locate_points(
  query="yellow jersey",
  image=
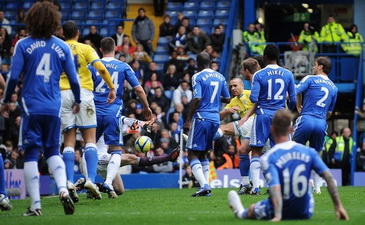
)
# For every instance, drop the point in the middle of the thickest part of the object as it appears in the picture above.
(243, 102)
(83, 55)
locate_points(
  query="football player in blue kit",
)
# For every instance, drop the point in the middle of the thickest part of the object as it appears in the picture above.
(41, 58)
(203, 119)
(318, 95)
(270, 87)
(287, 168)
(108, 114)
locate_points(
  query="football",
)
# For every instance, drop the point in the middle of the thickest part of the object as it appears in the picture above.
(143, 144)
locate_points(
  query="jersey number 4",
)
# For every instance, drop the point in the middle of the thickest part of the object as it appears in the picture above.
(44, 67)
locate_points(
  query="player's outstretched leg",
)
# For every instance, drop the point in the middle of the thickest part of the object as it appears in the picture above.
(235, 204)
(4, 200)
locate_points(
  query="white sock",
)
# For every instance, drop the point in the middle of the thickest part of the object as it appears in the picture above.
(113, 168)
(127, 121)
(57, 168)
(84, 166)
(245, 180)
(317, 180)
(198, 173)
(206, 172)
(32, 184)
(255, 168)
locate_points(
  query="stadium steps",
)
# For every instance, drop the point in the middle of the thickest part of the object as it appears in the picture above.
(132, 13)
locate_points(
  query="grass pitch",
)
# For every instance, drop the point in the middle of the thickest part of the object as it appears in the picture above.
(174, 207)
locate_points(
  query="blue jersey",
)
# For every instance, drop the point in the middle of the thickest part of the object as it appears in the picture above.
(209, 86)
(270, 87)
(289, 165)
(42, 61)
(319, 94)
(120, 72)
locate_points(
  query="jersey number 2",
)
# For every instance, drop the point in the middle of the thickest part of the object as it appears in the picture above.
(44, 67)
(320, 101)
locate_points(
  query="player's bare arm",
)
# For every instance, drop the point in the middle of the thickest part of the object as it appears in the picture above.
(194, 105)
(247, 115)
(340, 211)
(299, 103)
(147, 112)
(277, 201)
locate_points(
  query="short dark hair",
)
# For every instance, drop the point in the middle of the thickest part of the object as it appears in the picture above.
(203, 59)
(141, 9)
(282, 122)
(271, 52)
(325, 62)
(260, 60)
(70, 29)
(107, 45)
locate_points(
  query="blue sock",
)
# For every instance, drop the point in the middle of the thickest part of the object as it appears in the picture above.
(91, 157)
(218, 134)
(244, 165)
(69, 159)
(2, 177)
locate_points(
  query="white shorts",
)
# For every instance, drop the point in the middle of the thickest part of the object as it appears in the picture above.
(244, 131)
(86, 118)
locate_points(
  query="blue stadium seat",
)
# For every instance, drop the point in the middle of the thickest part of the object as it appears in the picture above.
(98, 5)
(96, 15)
(207, 5)
(78, 15)
(169, 94)
(206, 29)
(172, 13)
(27, 5)
(174, 6)
(191, 5)
(90, 22)
(204, 22)
(85, 31)
(159, 66)
(163, 41)
(224, 5)
(81, 6)
(66, 6)
(13, 6)
(65, 15)
(190, 14)
(220, 21)
(161, 58)
(206, 14)
(114, 5)
(162, 49)
(104, 32)
(10, 14)
(221, 13)
(112, 14)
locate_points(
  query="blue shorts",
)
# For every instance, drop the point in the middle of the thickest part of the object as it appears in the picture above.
(260, 131)
(201, 135)
(109, 126)
(312, 129)
(39, 132)
(264, 210)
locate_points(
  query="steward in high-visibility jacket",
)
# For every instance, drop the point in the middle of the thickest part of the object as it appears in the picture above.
(333, 32)
(342, 149)
(250, 36)
(307, 35)
(354, 48)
